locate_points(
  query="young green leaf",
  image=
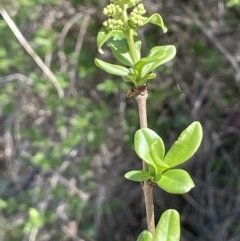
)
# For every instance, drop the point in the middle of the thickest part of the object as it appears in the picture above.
(140, 66)
(138, 175)
(186, 145)
(168, 227)
(120, 50)
(119, 45)
(130, 78)
(145, 79)
(158, 149)
(169, 53)
(164, 53)
(104, 35)
(151, 76)
(111, 68)
(138, 45)
(143, 140)
(175, 181)
(157, 153)
(156, 57)
(157, 20)
(145, 236)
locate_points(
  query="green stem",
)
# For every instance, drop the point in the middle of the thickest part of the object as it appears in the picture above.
(131, 45)
(129, 35)
(147, 189)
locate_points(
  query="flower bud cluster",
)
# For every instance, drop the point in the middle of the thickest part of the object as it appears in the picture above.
(140, 9)
(112, 10)
(136, 19)
(115, 14)
(113, 24)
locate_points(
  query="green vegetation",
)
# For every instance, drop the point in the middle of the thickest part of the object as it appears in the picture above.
(67, 128)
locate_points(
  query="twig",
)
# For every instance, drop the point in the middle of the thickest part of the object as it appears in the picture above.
(31, 52)
(20, 77)
(33, 234)
(232, 60)
(147, 189)
(65, 31)
(84, 196)
(61, 40)
(78, 49)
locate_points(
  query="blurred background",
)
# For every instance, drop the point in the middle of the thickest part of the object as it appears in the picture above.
(62, 158)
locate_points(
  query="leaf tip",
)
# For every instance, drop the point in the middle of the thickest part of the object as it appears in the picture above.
(164, 29)
(96, 62)
(198, 125)
(100, 51)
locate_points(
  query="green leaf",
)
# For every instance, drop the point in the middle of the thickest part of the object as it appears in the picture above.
(120, 50)
(143, 140)
(168, 227)
(143, 62)
(119, 45)
(145, 79)
(138, 175)
(186, 145)
(233, 3)
(157, 150)
(39, 159)
(36, 218)
(111, 68)
(156, 57)
(151, 76)
(175, 181)
(130, 78)
(138, 45)
(3, 204)
(145, 236)
(104, 35)
(164, 53)
(157, 20)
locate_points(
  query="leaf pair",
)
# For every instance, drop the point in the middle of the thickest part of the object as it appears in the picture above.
(150, 148)
(140, 72)
(168, 228)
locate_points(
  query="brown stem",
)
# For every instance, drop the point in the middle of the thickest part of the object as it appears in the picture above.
(147, 189)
